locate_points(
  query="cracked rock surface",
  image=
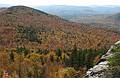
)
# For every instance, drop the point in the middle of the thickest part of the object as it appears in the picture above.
(98, 71)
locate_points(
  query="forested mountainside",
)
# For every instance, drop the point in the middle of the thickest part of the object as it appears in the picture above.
(48, 30)
(34, 44)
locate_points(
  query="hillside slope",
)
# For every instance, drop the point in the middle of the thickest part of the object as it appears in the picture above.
(106, 21)
(50, 31)
(34, 44)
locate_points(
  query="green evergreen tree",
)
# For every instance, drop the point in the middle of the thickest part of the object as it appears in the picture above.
(58, 52)
(11, 55)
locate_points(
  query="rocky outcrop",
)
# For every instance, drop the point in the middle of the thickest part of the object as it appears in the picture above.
(98, 71)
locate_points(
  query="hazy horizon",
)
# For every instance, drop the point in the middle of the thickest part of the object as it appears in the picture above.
(34, 3)
(9, 5)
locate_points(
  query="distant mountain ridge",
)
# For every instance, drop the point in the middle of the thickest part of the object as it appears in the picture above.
(115, 17)
(107, 17)
(68, 12)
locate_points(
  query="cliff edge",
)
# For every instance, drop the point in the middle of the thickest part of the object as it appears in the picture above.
(98, 71)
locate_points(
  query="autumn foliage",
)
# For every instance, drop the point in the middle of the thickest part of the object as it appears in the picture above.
(34, 44)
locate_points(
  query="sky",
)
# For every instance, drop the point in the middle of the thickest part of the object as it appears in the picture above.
(60, 2)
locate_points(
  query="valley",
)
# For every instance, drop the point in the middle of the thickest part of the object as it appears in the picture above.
(96, 16)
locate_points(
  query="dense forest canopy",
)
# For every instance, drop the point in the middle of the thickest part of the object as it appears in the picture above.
(34, 44)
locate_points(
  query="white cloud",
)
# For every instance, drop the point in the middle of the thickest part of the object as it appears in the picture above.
(60, 2)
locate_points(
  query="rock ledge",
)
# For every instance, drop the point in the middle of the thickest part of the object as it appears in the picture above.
(98, 70)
